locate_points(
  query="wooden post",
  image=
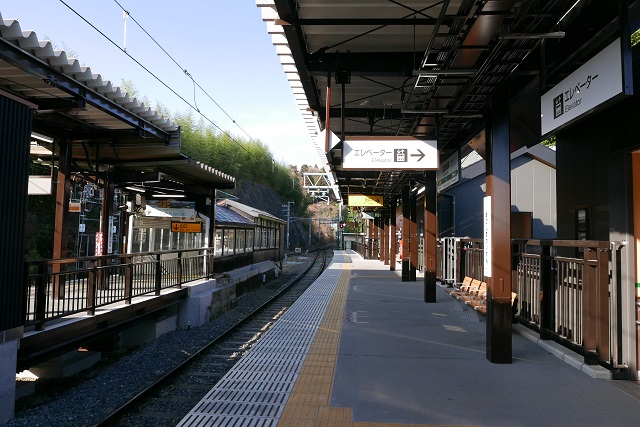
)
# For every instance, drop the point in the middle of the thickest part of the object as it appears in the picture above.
(499, 315)
(406, 233)
(430, 237)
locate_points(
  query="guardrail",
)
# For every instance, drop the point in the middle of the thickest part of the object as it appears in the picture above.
(563, 286)
(62, 287)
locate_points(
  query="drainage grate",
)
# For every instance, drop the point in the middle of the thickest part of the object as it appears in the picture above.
(255, 391)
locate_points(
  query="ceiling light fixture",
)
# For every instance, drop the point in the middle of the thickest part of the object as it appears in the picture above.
(520, 36)
(434, 111)
(436, 73)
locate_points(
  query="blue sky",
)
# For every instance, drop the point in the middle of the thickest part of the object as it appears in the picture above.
(223, 44)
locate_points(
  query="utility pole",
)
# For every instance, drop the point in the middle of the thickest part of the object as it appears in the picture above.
(286, 210)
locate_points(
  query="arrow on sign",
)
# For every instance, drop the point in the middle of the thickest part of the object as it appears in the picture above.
(421, 155)
(176, 227)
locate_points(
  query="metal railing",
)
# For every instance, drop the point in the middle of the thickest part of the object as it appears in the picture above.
(63, 287)
(564, 289)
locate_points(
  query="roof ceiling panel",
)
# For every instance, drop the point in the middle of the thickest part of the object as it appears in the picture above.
(382, 42)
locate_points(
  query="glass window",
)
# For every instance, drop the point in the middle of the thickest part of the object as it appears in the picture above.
(240, 241)
(166, 240)
(218, 243)
(249, 244)
(229, 242)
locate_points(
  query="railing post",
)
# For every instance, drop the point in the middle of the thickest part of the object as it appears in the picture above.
(547, 291)
(158, 274)
(41, 296)
(459, 262)
(128, 279)
(92, 284)
(179, 267)
(595, 305)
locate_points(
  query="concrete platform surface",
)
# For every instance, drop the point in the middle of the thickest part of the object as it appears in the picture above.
(402, 360)
(361, 348)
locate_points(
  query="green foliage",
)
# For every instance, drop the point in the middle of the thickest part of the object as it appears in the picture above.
(246, 160)
(635, 37)
(549, 142)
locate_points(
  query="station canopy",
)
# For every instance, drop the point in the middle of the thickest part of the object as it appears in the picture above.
(107, 129)
(422, 69)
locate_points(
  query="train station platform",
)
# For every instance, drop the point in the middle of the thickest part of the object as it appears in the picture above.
(361, 348)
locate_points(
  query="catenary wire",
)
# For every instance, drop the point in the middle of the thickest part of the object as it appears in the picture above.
(184, 70)
(155, 76)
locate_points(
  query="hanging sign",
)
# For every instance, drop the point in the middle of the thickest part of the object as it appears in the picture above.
(186, 227)
(363, 200)
(448, 174)
(376, 153)
(595, 82)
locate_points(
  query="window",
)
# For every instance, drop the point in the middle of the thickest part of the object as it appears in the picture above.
(249, 244)
(218, 243)
(240, 241)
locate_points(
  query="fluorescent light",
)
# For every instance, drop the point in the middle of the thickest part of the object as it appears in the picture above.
(424, 111)
(435, 73)
(166, 196)
(567, 12)
(42, 138)
(138, 189)
(519, 36)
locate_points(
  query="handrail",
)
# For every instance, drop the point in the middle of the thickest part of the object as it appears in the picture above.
(563, 289)
(83, 284)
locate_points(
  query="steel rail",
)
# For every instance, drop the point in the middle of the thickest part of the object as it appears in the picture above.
(126, 407)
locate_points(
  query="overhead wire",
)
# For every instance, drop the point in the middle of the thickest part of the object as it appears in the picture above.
(155, 76)
(184, 70)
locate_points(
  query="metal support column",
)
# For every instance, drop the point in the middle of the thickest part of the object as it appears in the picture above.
(212, 234)
(430, 237)
(63, 194)
(413, 235)
(499, 315)
(384, 246)
(392, 238)
(406, 233)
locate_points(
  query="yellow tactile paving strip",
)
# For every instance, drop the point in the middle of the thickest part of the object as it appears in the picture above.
(309, 402)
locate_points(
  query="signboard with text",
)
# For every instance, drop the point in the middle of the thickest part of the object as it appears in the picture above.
(595, 82)
(362, 200)
(448, 174)
(186, 227)
(395, 153)
(487, 236)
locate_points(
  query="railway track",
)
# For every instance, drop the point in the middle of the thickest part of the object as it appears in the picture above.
(171, 397)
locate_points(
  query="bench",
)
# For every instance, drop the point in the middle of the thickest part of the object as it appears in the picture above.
(468, 289)
(472, 293)
(479, 305)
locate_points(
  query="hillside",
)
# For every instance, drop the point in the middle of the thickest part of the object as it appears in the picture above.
(266, 199)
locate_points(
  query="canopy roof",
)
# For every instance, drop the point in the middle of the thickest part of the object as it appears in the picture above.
(108, 130)
(427, 69)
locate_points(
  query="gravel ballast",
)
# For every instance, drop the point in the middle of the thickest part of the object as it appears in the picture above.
(88, 397)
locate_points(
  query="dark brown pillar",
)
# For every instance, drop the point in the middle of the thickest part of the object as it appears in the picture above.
(430, 236)
(384, 246)
(60, 235)
(375, 244)
(406, 233)
(392, 238)
(413, 236)
(369, 238)
(498, 280)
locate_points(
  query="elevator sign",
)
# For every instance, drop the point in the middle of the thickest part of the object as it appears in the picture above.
(594, 83)
(375, 153)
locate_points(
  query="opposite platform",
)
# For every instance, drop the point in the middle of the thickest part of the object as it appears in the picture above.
(361, 348)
